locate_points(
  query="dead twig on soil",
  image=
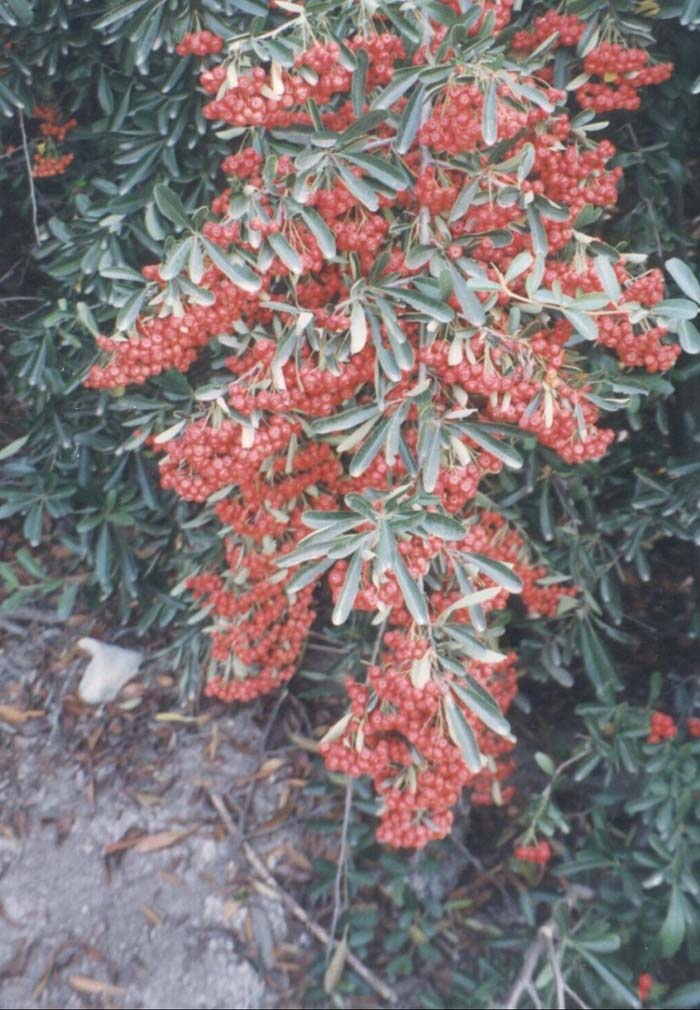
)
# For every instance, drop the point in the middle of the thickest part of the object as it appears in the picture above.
(379, 986)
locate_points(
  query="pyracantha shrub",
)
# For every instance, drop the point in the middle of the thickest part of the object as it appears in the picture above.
(405, 271)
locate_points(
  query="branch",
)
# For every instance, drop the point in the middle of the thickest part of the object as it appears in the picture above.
(524, 980)
(379, 986)
(30, 178)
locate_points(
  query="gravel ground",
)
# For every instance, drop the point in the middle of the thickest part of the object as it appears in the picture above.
(119, 884)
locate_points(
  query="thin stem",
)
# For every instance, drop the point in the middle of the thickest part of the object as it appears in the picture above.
(30, 178)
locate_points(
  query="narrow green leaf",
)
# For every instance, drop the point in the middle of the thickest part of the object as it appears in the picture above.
(237, 272)
(437, 524)
(369, 449)
(489, 119)
(412, 594)
(289, 256)
(463, 735)
(673, 928)
(497, 571)
(501, 450)
(347, 594)
(410, 121)
(479, 701)
(471, 645)
(582, 324)
(170, 206)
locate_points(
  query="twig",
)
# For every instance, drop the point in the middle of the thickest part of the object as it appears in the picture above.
(13, 629)
(341, 872)
(532, 993)
(575, 995)
(261, 751)
(30, 178)
(548, 931)
(524, 980)
(379, 986)
(35, 614)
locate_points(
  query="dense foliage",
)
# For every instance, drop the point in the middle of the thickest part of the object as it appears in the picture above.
(396, 322)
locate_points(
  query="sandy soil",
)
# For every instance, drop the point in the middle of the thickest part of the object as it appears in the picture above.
(119, 884)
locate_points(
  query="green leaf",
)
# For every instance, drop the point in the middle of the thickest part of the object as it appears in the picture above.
(463, 735)
(673, 928)
(501, 450)
(464, 200)
(608, 278)
(677, 308)
(320, 231)
(369, 449)
(380, 169)
(684, 278)
(12, 447)
(596, 661)
(537, 232)
(358, 85)
(359, 188)
(347, 419)
(471, 645)
(689, 337)
(437, 524)
(176, 260)
(129, 311)
(120, 12)
(686, 997)
(489, 118)
(618, 988)
(518, 265)
(431, 307)
(348, 592)
(497, 571)
(412, 594)
(471, 307)
(239, 273)
(170, 206)
(289, 256)
(479, 701)
(308, 574)
(410, 121)
(582, 324)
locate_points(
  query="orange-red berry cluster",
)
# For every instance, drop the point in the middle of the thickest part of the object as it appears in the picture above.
(268, 449)
(661, 727)
(45, 165)
(540, 853)
(203, 43)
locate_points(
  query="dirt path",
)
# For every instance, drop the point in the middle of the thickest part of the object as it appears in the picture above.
(119, 886)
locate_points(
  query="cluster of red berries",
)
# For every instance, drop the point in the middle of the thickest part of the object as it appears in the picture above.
(661, 727)
(45, 164)
(693, 727)
(540, 853)
(623, 71)
(568, 29)
(645, 984)
(268, 448)
(199, 44)
(394, 732)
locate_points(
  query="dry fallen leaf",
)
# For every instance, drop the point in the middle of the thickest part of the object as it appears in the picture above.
(336, 965)
(15, 715)
(95, 987)
(152, 916)
(161, 840)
